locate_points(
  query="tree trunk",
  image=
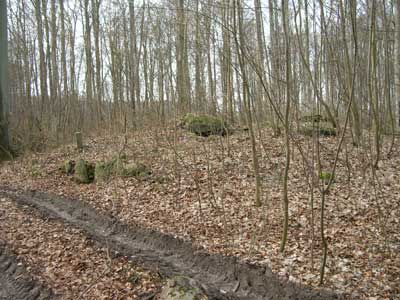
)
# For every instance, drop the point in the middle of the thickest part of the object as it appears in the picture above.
(240, 47)
(132, 62)
(397, 62)
(182, 65)
(42, 61)
(285, 22)
(88, 54)
(200, 105)
(98, 91)
(4, 97)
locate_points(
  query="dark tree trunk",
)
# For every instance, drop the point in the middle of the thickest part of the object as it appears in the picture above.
(4, 98)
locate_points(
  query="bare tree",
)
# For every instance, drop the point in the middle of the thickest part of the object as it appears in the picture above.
(88, 54)
(285, 22)
(4, 97)
(241, 53)
(397, 58)
(42, 64)
(182, 64)
(98, 91)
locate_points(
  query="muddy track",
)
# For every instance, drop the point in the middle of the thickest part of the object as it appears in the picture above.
(15, 284)
(221, 277)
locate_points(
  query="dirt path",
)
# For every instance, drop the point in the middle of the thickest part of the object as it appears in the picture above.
(14, 282)
(221, 277)
(65, 260)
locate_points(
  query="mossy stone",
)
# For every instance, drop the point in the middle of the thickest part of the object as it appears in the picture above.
(136, 170)
(102, 172)
(313, 118)
(323, 129)
(327, 131)
(205, 125)
(68, 167)
(182, 288)
(81, 174)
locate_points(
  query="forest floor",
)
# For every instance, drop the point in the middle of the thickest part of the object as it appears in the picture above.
(218, 277)
(202, 190)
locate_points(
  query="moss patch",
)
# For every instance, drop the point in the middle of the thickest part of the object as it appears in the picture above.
(102, 172)
(35, 171)
(84, 171)
(119, 166)
(136, 170)
(68, 167)
(182, 288)
(205, 125)
(325, 176)
(106, 169)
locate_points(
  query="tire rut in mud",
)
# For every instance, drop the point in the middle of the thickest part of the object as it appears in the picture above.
(14, 282)
(221, 277)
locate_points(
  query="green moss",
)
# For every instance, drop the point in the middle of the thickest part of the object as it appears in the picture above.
(84, 171)
(327, 131)
(325, 176)
(181, 288)
(188, 118)
(118, 166)
(68, 167)
(105, 169)
(136, 170)
(81, 172)
(205, 125)
(101, 172)
(134, 278)
(35, 171)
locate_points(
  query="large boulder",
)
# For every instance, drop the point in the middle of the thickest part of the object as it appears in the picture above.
(182, 288)
(316, 123)
(322, 128)
(205, 125)
(313, 118)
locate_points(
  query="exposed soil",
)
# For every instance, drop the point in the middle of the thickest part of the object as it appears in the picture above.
(67, 261)
(15, 284)
(222, 277)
